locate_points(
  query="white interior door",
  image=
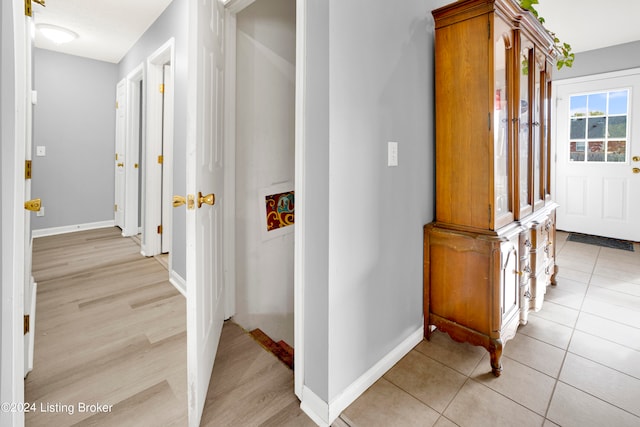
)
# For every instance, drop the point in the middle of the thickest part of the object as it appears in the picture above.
(167, 154)
(29, 283)
(205, 174)
(121, 132)
(597, 164)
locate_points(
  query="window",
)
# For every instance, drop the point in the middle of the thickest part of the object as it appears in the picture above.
(599, 127)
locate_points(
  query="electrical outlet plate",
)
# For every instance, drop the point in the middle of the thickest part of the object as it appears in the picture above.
(392, 153)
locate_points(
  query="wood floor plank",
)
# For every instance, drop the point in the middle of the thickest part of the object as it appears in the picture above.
(110, 328)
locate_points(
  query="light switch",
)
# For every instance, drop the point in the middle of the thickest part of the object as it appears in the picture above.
(41, 150)
(392, 153)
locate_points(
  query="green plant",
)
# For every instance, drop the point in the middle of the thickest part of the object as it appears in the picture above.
(565, 56)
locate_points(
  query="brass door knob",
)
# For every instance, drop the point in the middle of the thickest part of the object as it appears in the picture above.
(636, 170)
(33, 205)
(209, 199)
(179, 201)
(120, 165)
(636, 158)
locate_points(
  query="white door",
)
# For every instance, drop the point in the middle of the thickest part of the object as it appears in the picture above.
(205, 173)
(167, 155)
(121, 132)
(32, 205)
(597, 164)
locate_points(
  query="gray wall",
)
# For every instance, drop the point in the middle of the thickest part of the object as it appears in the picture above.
(75, 120)
(172, 23)
(597, 61)
(370, 81)
(265, 156)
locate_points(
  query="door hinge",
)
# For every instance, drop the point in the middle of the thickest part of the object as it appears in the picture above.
(27, 169)
(161, 159)
(489, 120)
(117, 105)
(489, 210)
(489, 29)
(115, 208)
(26, 324)
(27, 8)
(161, 88)
(160, 229)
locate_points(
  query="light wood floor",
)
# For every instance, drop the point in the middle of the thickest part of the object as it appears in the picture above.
(110, 329)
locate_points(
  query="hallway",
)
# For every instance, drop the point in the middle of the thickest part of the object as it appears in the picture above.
(110, 329)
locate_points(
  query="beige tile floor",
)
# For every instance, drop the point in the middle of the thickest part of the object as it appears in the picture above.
(576, 363)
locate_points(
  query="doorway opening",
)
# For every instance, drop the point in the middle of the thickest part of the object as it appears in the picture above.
(158, 155)
(262, 68)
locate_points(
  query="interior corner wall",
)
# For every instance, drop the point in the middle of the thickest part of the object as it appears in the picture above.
(265, 156)
(613, 58)
(316, 208)
(378, 70)
(74, 120)
(173, 22)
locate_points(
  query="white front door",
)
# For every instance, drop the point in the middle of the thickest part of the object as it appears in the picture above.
(121, 132)
(205, 175)
(598, 163)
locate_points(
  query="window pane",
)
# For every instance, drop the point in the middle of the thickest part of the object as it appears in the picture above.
(579, 106)
(577, 151)
(616, 151)
(618, 127)
(618, 102)
(578, 128)
(596, 151)
(596, 127)
(597, 104)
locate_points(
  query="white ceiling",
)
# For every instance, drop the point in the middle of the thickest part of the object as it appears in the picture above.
(109, 28)
(592, 24)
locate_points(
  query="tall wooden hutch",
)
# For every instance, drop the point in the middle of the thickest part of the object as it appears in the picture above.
(490, 253)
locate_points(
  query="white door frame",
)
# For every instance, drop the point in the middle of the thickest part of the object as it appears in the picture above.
(12, 219)
(233, 7)
(133, 140)
(158, 182)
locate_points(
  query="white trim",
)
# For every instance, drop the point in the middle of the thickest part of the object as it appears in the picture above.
(178, 282)
(151, 240)
(235, 6)
(54, 231)
(134, 126)
(12, 214)
(299, 256)
(325, 415)
(229, 213)
(316, 408)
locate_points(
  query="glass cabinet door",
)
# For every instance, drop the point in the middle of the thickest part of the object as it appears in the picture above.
(524, 115)
(547, 131)
(537, 132)
(503, 206)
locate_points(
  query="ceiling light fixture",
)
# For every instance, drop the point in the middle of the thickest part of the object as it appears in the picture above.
(56, 34)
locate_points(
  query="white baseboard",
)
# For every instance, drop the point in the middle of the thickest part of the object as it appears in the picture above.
(72, 228)
(316, 408)
(178, 282)
(325, 414)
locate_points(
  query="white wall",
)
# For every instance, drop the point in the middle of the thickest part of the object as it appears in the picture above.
(265, 111)
(374, 59)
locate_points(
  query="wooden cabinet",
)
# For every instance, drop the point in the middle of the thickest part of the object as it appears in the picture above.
(490, 253)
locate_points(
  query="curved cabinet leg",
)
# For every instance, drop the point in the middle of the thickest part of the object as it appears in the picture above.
(496, 356)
